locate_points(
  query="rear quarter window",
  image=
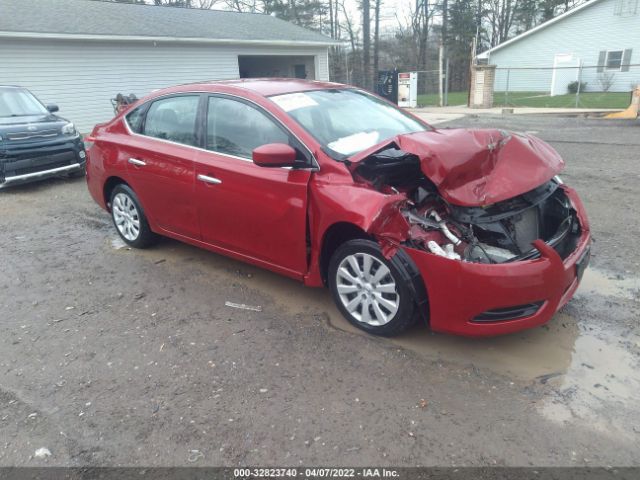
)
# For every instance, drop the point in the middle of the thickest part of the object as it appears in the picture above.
(134, 119)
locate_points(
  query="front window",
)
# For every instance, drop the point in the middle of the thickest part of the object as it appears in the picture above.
(235, 128)
(15, 102)
(347, 121)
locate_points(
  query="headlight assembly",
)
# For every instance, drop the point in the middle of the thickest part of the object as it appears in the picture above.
(69, 129)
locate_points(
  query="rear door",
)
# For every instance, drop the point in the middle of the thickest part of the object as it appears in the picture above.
(257, 212)
(161, 162)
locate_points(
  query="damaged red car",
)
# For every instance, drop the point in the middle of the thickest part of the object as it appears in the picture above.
(470, 231)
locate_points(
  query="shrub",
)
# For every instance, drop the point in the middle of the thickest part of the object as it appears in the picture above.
(573, 86)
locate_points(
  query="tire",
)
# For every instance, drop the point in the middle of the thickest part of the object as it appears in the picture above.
(129, 219)
(385, 305)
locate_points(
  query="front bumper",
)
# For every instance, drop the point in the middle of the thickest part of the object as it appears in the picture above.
(27, 163)
(462, 293)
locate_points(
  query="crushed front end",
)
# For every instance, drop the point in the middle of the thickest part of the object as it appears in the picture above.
(488, 269)
(508, 268)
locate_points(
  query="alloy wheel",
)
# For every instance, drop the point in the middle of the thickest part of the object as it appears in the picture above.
(367, 289)
(126, 216)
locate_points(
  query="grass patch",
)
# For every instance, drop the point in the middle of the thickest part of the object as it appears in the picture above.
(539, 99)
(433, 100)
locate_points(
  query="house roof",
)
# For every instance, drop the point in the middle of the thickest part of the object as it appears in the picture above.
(97, 19)
(546, 24)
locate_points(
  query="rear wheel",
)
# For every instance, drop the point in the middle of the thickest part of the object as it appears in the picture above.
(129, 219)
(372, 292)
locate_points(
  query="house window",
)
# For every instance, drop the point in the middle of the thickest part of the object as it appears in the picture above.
(614, 60)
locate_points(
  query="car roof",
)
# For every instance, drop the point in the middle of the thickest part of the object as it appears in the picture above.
(268, 86)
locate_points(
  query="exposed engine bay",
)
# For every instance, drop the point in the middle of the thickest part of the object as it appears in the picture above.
(496, 233)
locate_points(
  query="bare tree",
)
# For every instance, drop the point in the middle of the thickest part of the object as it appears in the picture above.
(606, 80)
(413, 30)
(500, 18)
(353, 34)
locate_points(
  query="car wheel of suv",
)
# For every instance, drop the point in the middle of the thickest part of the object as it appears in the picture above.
(372, 292)
(128, 218)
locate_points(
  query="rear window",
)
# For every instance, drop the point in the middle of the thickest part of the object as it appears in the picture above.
(173, 119)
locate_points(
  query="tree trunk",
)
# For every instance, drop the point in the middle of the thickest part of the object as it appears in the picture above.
(366, 44)
(445, 21)
(376, 42)
(331, 22)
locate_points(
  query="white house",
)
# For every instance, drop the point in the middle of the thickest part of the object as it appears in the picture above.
(598, 42)
(80, 53)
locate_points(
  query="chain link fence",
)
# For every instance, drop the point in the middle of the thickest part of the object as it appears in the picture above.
(578, 86)
(563, 86)
(429, 89)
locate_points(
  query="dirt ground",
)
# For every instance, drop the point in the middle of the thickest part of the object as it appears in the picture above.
(111, 356)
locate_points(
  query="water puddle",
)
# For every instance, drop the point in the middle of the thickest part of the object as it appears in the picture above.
(610, 285)
(599, 389)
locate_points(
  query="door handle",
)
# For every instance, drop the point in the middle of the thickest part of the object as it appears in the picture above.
(136, 162)
(211, 180)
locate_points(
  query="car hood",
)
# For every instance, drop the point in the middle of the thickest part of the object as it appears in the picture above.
(30, 119)
(29, 125)
(478, 167)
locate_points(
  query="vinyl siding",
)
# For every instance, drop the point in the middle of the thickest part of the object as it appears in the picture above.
(82, 77)
(584, 35)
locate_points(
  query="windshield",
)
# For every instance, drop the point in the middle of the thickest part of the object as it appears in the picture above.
(347, 121)
(15, 102)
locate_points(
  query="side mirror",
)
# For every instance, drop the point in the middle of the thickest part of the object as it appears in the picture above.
(52, 108)
(274, 155)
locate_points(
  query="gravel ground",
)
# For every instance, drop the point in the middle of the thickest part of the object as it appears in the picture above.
(118, 357)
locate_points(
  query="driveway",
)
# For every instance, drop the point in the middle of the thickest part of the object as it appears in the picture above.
(118, 357)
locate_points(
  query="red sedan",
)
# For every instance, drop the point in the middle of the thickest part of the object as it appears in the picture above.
(469, 230)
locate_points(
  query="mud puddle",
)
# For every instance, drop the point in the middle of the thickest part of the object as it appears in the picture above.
(599, 388)
(610, 285)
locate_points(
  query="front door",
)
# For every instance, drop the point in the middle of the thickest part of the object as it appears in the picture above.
(257, 212)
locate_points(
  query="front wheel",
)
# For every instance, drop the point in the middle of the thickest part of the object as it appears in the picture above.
(372, 292)
(129, 219)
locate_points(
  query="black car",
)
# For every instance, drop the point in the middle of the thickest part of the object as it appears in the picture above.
(35, 143)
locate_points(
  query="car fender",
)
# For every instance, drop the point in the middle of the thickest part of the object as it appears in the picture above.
(375, 213)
